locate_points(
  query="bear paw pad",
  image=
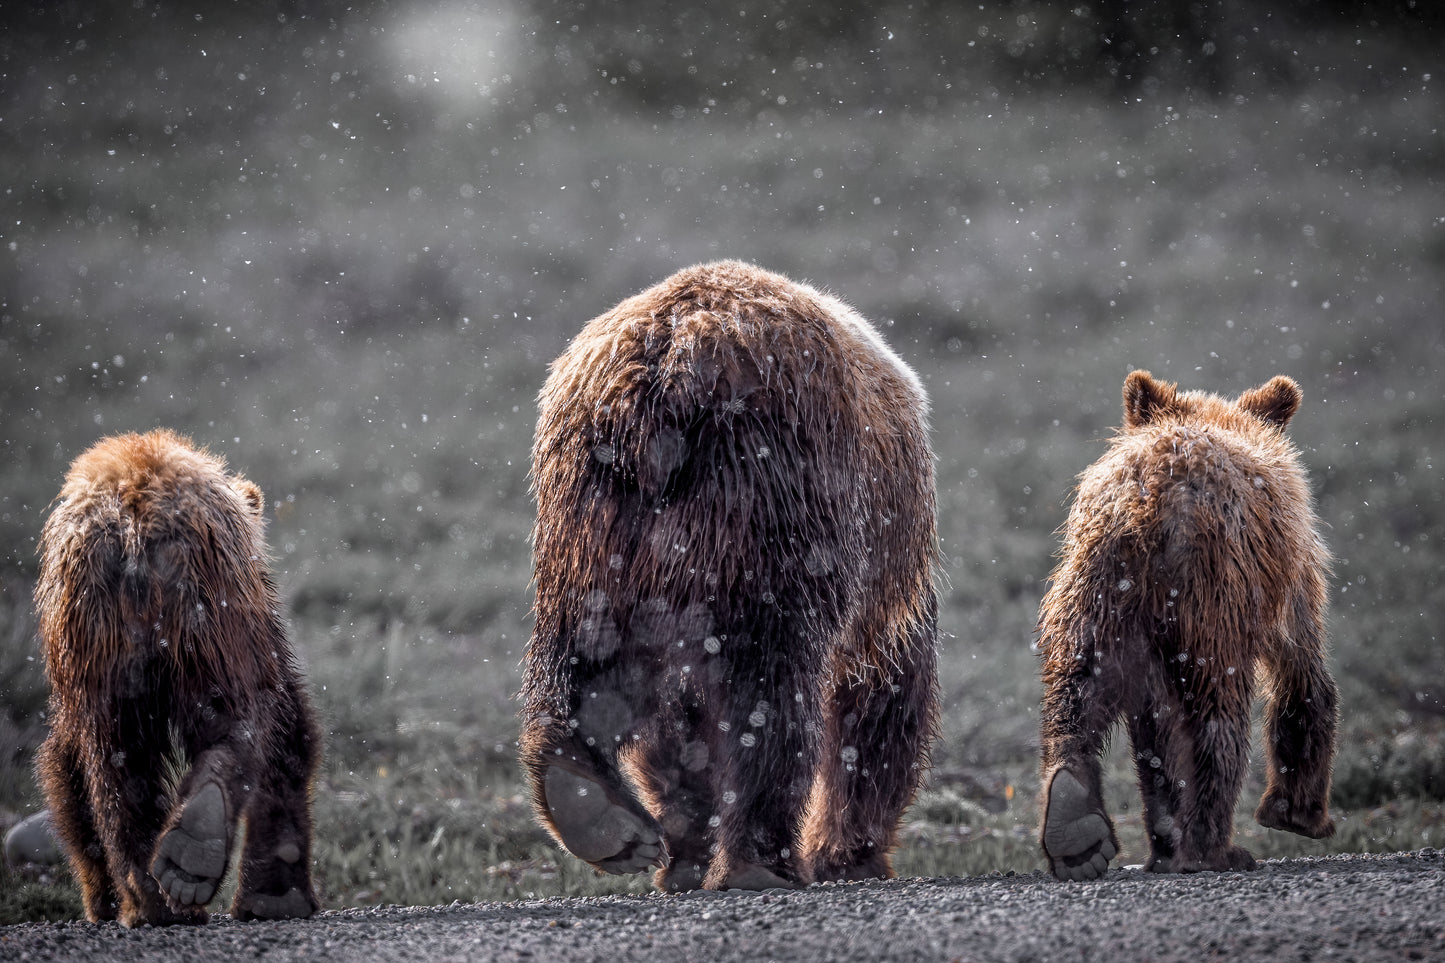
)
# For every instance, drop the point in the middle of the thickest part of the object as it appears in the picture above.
(191, 857)
(1077, 836)
(596, 830)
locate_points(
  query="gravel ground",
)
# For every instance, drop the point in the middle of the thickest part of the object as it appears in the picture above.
(1340, 907)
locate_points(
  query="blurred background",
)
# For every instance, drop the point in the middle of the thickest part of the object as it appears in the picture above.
(339, 243)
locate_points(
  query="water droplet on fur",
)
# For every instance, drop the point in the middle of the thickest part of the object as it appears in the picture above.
(1156, 762)
(729, 797)
(1125, 585)
(1229, 671)
(606, 454)
(848, 754)
(714, 821)
(769, 598)
(615, 562)
(748, 740)
(711, 645)
(117, 759)
(757, 719)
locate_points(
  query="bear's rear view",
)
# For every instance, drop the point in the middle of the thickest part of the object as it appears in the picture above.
(162, 634)
(1191, 557)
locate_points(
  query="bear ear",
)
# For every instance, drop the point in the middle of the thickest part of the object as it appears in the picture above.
(1275, 403)
(251, 494)
(1145, 398)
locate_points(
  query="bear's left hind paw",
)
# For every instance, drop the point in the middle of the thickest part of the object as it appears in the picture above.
(191, 856)
(596, 830)
(1077, 836)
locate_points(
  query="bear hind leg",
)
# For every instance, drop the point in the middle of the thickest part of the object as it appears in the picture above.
(63, 780)
(1201, 737)
(275, 873)
(1079, 709)
(1299, 738)
(875, 749)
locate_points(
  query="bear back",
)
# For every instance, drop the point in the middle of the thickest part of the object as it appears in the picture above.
(154, 554)
(724, 423)
(1199, 505)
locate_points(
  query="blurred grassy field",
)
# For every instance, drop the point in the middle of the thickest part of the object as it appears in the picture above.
(339, 250)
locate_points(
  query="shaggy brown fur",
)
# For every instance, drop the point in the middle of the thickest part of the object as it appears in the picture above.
(162, 634)
(1190, 557)
(733, 553)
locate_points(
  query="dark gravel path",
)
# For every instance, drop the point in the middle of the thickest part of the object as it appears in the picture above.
(1388, 907)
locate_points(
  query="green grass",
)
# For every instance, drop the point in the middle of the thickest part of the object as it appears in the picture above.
(349, 283)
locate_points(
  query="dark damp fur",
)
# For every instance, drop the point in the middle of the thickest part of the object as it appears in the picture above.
(734, 543)
(161, 633)
(1191, 558)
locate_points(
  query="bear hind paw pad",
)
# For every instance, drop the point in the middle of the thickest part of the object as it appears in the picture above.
(596, 830)
(191, 857)
(1077, 837)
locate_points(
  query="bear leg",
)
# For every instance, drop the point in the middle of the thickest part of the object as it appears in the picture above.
(1299, 736)
(1201, 737)
(126, 788)
(62, 778)
(275, 872)
(874, 754)
(1079, 709)
(766, 742)
(569, 751)
(670, 769)
(1161, 794)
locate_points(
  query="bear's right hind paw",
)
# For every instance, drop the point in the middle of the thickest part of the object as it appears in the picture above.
(598, 831)
(1077, 837)
(191, 856)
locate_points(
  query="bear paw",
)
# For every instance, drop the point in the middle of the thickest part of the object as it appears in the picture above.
(1228, 859)
(294, 904)
(191, 856)
(752, 876)
(1275, 812)
(1077, 836)
(596, 830)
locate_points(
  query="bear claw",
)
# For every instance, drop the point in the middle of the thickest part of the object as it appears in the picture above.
(1077, 837)
(191, 857)
(597, 831)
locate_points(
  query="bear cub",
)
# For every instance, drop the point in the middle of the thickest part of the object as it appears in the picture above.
(1191, 561)
(165, 649)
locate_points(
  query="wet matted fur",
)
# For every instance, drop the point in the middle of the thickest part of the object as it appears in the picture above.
(161, 631)
(1191, 560)
(733, 672)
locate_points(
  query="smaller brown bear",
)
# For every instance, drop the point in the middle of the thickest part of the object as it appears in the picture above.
(1191, 556)
(162, 635)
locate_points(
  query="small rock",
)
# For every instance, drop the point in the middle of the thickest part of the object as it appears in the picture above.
(33, 840)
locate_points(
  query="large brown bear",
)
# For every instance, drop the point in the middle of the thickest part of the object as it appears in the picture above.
(733, 671)
(1191, 556)
(162, 635)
